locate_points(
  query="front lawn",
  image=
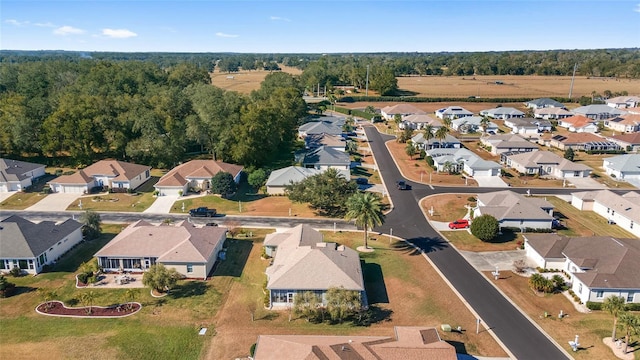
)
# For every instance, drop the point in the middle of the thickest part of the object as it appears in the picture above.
(584, 223)
(447, 207)
(463, 240)
(22, 200)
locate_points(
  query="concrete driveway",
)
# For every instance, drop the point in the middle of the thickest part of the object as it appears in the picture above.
(54, 202)
(585, 183)
(490, 181)
(489, 260)
(162, 205)
(5, 195)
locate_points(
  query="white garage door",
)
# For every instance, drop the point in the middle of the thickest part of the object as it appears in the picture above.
(3, 188)
(170, 191)
(73, 189)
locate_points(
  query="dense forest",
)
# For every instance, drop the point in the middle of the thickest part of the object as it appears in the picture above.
(82, 110)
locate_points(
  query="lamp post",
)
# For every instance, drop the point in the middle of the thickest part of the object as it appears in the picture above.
(183, 206)
(390, 234)
(80, 204)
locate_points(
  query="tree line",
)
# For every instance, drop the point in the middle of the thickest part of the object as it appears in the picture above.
(77, 112)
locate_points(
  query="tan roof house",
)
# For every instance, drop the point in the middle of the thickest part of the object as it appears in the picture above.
(17, 175)
(582, 141)
(117, 175)
(503, 143)
(627, 123)
(191, 250)
(194, 174)
(303, 262)
(389, 112)
(546, 163)
(409, 343)
(514, 210)
(629, 142)
(601, 266)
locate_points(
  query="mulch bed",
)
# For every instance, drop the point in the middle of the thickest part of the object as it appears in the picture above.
(57, 308)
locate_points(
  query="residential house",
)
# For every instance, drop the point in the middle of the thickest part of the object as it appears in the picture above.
(332, 141)
(409, 343)
(600, 266)
(626, 123)
(502, 113)
(331, 125)
(303, 262)
(622, 210)
(582, 142)
(324, 157)
(421, 142)
(419, 121)
(623, 167)
(453, 112)
(527, 127)
(469, 124)
(195, 174)
(624, 102)
(514, 210)
(544, 103)
(30, 246)
(389, 112)
(280, 178)
(117, 175)
(502, 143)
(545, 163)
(463, 160)
(18, 175)
(551, 113)
(578, 124)
(629, 142)
(598, 111)
(190, 250)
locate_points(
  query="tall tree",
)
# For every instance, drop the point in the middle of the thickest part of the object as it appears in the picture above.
(91, 224)
(325, 192)
(631, 325)
(367, 211)
(160, 278)
(441, 134)
(614, 305)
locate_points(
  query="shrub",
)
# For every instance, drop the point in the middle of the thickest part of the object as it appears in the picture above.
(485, 227)
(591, 305)
(252, 350)
(15, 272)
(632, 307)
(6, 287)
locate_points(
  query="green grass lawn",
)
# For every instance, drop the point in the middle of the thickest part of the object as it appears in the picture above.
(122, 202)
(463, 240)
(584, 223)
(22, 200)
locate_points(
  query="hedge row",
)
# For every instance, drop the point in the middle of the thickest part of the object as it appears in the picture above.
(627, 307)
(351, 99)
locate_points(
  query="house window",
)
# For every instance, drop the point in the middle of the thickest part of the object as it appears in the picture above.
(146, 173)
(548, 169)
(43, 258)
(113, 263)
(630, 296)
(579, 288)
(59, 243)
(3, 265)
(599, 294)
(22, 264)
(189, 268)
(608, 210)
(613, 212)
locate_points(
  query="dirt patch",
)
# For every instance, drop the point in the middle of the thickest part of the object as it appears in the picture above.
(245, 81)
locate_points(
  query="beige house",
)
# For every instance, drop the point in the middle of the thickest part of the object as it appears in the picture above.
(303, 262)
(504, 143)
(621, 210)
(117, 175)
(409, 342)
(513, 210)
(627, 123)
(194, 174)
(546, 163)
(389, 112)
(191, 250)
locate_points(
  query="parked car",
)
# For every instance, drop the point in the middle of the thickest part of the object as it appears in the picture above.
(211, 224)
(202, 211)
(402, 185)
(459, 224)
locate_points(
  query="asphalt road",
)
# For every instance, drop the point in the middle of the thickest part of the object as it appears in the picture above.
(515, 331)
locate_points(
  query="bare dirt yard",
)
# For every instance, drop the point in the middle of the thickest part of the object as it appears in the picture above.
(245, 81)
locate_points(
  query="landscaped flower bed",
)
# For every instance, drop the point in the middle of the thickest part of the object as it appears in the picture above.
(57, 308)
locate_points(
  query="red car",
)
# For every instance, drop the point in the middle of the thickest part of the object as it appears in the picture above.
(459, 224)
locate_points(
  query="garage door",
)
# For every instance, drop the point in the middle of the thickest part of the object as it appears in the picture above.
(69, 189)
(170, 191)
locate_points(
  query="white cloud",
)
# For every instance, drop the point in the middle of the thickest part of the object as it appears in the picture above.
(221, 34)
(278, 18)
(15, 22)
(637, 8)
(68, 30)
(47, 24)
(118, 33)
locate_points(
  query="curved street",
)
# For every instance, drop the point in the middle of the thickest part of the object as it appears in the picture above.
(515, 331)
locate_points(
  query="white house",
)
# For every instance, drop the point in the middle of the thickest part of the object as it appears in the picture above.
(629, 142)
(502, 113)
(543, 103)
(30, 246)
(462, 160)
(623, 102)
(280, 178)
(622, 210)
(627, 123)
(503, 143)
(191, 250)
(421, 142)
(598, 111)
(419, 121)
(194, 174)
(452, 112)
(472, 123)
(527, 127)
(117, 175)
(323, 158)
(623, 167)
(331, 125)
(600, 266)
(389, 112)
(578, 124)
(546, 163)
(551, 113)
(514, 210)
(17, 175)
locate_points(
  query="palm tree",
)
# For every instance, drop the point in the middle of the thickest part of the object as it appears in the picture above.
(87, 300)
(90, 224)
(366, 209)
(428, 132)
(631, 325)
(614, 305)
(447, 122)
(441, 134)
(130, 296)
(485, 124)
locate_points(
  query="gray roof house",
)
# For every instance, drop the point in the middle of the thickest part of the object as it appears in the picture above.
(453, 112)
(622, 210)
(600, 266)
(545, 163)
(419, 121)
(17, 175)
(543, 103)
(280, 178)
(303, 262)
(471, 123)
(514, 210)
(527, 126)
(30, 246)
(325, 157)
(623, 167)
(191, 250)
(463, 160)
(324, 125)
(511, 143)
(502, 113)
(598, 111)
(316, 140)
(449, 141)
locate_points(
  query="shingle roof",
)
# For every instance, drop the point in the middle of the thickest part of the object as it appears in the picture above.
(597, 109)
(401, 109)
(502, 111)
(21, 238)
(510, 205)
(628, 163)
(325, 155)
(539, 158)
(626, 119)
(632, 139)
(324, 125)
(291, 174)
(454, 110)
(181, 174)
(552, 110)
(578, 138)
(181, 243)
(623, 100)
(15, 170)
(315, 140)
(463, 155)
(422, 119)
(546, 102)
(304, 263)
(626, 205)
(578, 120)
(79, 177)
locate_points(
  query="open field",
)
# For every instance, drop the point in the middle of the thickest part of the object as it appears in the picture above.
(431, 107)
(591, 328)
(245, 81)
(514, 86)
(397, 288)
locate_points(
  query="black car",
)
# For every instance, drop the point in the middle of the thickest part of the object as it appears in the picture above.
(402, 185)
(202, 212)
(211, 224)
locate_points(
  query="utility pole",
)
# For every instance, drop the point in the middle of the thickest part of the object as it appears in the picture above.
(573, 77)
(366, 92)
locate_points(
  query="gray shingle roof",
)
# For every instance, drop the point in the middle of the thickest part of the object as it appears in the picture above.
(546, 102)
(510, 205)
(15, 170)
(628, 163)
(540, 158)
(21, 238)
(597, 109)
(291, 174)
(502, 111)
(328, 156)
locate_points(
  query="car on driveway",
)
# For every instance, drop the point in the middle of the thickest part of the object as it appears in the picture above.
(459, 224)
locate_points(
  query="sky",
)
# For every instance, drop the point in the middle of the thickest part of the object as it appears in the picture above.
(318, 26)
